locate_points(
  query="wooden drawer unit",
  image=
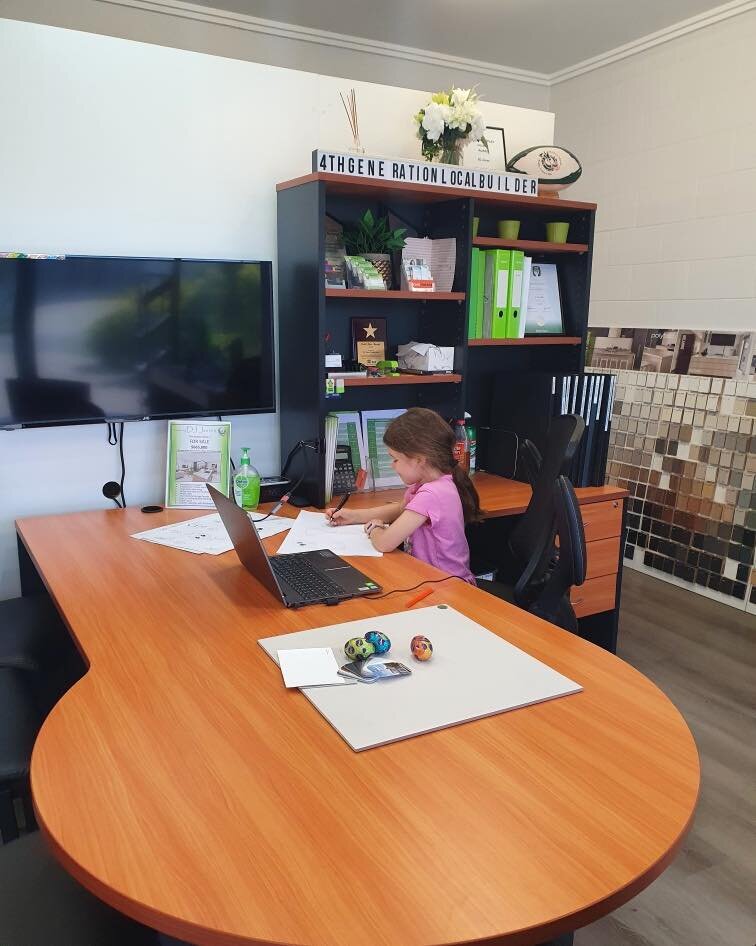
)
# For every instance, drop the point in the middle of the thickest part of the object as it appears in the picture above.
(594, 595)
(602, 520)
(602, 557)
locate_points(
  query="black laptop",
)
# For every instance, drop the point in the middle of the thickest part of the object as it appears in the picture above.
(302, 578)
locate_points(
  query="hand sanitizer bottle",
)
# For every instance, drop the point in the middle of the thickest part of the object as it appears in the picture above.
(246, 483)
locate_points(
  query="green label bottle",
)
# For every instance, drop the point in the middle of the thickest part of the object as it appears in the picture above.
(246, 483)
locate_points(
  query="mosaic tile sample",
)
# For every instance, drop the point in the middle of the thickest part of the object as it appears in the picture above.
(685, 449)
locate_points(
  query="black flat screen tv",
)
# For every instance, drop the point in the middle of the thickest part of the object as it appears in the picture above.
(100, 338)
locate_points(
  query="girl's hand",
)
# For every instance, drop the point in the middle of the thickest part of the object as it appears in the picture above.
(375, 524)
(344, 517)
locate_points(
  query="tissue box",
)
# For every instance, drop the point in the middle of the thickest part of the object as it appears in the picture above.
(422, 356)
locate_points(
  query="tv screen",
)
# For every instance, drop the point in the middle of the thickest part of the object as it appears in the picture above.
(87, 338)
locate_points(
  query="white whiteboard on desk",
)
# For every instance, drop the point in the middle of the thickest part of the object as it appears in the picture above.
(472, 674)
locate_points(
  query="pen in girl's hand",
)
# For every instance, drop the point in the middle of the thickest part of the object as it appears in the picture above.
(342, 503)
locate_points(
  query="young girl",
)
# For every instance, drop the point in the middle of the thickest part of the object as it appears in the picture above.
(439, 501)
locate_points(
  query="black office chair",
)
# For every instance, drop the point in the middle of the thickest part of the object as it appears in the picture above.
(34, 639)
(30, 629)
(530, 461)
(42, 905)
(550, 579)
(529, 547)
(20, 720)
(553, 603)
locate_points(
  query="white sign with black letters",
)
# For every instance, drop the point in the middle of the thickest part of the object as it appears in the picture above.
(422, 172)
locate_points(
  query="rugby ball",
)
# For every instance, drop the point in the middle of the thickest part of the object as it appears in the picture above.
(555, 168)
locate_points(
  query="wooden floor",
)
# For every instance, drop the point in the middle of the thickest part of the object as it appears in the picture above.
(703, 655)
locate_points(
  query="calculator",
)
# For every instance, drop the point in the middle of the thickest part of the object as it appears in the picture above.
(344, 480)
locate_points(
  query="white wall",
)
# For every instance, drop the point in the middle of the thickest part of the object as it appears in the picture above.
(116, 147)
(667, 139)
(160, 24)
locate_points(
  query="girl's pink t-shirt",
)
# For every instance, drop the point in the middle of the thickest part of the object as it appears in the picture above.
(440, 540)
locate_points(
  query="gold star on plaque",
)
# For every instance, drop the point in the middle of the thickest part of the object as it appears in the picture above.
(369, 330)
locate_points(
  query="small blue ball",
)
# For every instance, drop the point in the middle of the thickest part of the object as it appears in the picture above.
(381, 643)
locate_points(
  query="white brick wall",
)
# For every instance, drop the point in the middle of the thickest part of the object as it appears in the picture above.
(667, 139)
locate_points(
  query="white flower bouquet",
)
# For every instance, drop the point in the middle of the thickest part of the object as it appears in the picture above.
(449, 121)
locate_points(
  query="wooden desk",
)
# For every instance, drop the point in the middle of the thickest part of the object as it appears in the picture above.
(183, 784)
(597, 600)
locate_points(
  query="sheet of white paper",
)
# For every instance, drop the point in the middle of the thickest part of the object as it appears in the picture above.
(312, 531)
(309, 667)
(207, 534)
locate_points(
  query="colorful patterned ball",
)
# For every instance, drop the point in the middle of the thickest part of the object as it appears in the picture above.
(421, 648)
(358, 649)
(380, 642)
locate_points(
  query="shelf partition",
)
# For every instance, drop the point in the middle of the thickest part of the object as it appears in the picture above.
(371, 188)
(394, 294)
(403, 379)
(529, 246)
(534, 340)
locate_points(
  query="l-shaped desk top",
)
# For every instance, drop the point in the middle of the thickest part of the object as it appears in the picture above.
(183, 784)
(498, 496)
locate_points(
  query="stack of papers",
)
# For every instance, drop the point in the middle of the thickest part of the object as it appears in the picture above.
(312, 531)
(309, 667)
(207, 535)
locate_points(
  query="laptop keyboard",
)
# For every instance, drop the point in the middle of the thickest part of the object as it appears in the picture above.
(304, 579)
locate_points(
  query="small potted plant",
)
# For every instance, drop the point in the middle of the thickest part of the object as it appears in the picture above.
(374, 239)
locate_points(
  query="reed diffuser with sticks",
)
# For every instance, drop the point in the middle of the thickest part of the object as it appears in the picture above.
(350, 107)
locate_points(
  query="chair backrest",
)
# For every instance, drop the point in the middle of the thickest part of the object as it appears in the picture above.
(531, 461)
(553, 603)
(536, 527)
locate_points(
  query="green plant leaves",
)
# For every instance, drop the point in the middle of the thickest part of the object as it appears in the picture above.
(373, 235)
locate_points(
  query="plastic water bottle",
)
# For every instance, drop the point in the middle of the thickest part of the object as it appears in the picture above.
(246, 483)
(461, 447)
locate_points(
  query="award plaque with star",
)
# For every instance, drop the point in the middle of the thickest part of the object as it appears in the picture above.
(369, 341)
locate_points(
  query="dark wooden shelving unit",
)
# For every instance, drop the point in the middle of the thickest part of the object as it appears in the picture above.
(313, 320)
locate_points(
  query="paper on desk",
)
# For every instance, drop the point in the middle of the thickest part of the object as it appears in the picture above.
(312, 531)
(207, 534)
(309, 667)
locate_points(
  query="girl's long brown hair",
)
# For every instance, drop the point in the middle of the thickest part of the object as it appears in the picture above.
(420, 432)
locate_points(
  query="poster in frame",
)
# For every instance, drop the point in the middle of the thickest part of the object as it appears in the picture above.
(493, 158)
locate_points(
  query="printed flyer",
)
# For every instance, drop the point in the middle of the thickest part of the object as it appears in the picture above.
(198, 453)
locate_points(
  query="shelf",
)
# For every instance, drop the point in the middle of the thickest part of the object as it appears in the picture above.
(532, 246)
(428, 193)
(403, 379)
(534, 340)
(389, 294)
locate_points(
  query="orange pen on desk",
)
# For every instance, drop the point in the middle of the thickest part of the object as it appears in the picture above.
(419, 597)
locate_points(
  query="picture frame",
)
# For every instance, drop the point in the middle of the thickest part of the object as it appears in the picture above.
(493, 159)
(197, 453)
(544, 311)
(368, 341)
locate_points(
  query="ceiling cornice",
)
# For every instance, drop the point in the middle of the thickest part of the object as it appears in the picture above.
(707, 18)
(253, 24)
(304, 34)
